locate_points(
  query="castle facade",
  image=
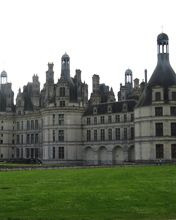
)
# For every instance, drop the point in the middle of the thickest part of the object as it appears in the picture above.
(59, 124)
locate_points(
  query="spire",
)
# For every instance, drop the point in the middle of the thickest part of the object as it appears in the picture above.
(65, 66)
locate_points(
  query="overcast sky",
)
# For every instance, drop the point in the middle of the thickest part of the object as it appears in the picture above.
(102, 37)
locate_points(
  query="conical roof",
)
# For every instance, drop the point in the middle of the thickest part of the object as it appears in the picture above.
(163, 76)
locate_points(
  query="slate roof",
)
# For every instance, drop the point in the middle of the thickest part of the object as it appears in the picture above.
(117, 107)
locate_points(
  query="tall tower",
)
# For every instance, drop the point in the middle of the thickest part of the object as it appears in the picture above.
(50, 74)
(65, 67)
(95, 83)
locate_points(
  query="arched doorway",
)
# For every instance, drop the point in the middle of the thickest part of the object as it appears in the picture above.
(89, 155)
(117, 155)
(102, 155)
(131, 155)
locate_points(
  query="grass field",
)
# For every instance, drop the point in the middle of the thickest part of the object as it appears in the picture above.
(145, 192)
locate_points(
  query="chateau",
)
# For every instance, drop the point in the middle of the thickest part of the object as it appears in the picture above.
(58, 124)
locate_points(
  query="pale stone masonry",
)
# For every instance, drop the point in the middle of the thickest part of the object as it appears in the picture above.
(58, 124)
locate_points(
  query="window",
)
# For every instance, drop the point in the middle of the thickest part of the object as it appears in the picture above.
(173, 151)
(117, 133)
(88, 135)
(110, 134)
(157, 96)
(54, 136)
(21, 139)
(173, 96)
(22, 125)
(54, 152)
(36, 124)
(36, 138)
(28, 125)
(117, 118)
(28, 139)
(61, 152)
(102, 132)
(95, 120)
(18, 125)
(125, 133)
(88, 121)
(173, 110)
(125, 117)
(159, 129)
(95, 110)
(53, 119)
(62, 92)
(95, 135)
(109, 119)
(27, 152)
(102, 119)
(132, 133)
(158, 111)
(132, 117)
(32, 138)
(18, 139)
(32, 124)
(61, 119)
(109, 109)
(159, 151)
(62, 103)
(61, 135)
(17, 152)
(173, 129)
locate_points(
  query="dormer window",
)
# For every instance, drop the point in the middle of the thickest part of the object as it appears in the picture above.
(95, 110)
(62, 92)
(109, 109)
(157, 96)
(174, 96)
(124, 107)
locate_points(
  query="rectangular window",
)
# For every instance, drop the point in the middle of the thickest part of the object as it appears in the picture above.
(125, 118)
(110, 134)
(36, 138)
(158, 111)
(32, 138)
(159, 151)
(62, 92)
(61, 135)
(18, 153)
(88, 121)
(53, 119)
(173, 129)
(88, 135)
(28, 125)
(173, 111)
(157, 96)
(117, 133)
(95, 120)
(27, 152)
(54, 139)
(102, 132)
(132, 117)
(61, 119)
(159, 129)
(125, 133)
(32, 124)
(22, 125)
(54, 153)
(173, 96)
(61, 152)
(173, 151)
(28, 139)
(62, 103)
(109, 119)
(102, 120)
(18, 126)
(21, 139)
(36, 124)
(132, 133)
(18, 139)
(117, 118)
(95, 135)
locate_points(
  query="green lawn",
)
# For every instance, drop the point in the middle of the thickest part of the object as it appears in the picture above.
(145, 192)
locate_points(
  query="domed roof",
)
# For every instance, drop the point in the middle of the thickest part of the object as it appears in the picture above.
(3, 74)
(128, 72)
(162, 39)
(65, 56)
